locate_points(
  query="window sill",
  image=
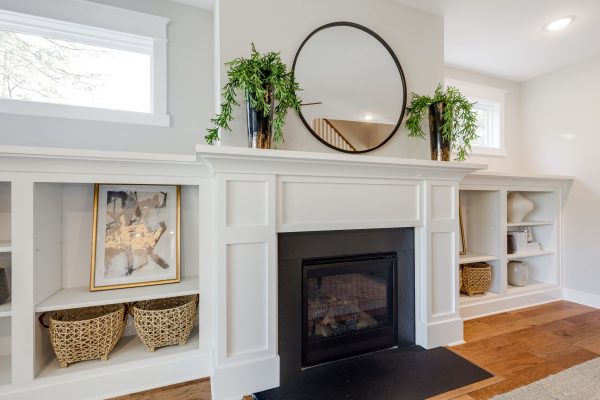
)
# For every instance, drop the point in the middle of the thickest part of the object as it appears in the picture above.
(38, 109)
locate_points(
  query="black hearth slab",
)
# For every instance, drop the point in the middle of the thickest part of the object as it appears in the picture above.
(412, 374)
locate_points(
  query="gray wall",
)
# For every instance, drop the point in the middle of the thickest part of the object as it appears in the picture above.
(416, 37)
(561, 136)
(190, 99)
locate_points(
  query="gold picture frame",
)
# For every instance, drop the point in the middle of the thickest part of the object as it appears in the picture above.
(462, 247)
(159, 248)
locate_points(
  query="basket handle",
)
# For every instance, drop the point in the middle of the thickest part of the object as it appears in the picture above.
(41, 319)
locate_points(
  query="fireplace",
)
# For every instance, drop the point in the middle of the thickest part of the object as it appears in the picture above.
(349, 306)
(343, 294)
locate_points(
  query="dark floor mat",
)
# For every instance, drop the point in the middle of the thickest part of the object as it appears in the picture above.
(413, 374)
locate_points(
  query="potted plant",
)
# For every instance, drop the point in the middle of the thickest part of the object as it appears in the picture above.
(270, 91)
(452, 122)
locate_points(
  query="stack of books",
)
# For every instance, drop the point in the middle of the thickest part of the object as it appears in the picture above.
(517, 242)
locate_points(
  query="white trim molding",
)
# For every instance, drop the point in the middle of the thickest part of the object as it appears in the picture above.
(491, 97)
(146, 35)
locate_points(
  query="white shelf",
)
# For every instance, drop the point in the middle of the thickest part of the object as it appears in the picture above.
(530, 223)
(5, 372)
(5, 309)
(82, 297)
(532, 286)
(129, 349)
(5, 246)
(466, 299)
(517, 256)
(472, 257)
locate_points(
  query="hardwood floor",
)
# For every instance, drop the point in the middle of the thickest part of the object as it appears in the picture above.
(519, 347)
(527, 345)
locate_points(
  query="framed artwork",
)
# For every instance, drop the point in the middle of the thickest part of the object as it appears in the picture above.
(135, 236)
(462, 246)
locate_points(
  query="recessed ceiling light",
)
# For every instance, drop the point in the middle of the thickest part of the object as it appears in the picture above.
(368, 117)
(559, 24)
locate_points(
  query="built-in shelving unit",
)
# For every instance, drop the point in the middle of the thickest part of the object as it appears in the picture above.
(484, 209)
(63, 243)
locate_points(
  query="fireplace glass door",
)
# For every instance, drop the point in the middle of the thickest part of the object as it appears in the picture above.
(349, 307)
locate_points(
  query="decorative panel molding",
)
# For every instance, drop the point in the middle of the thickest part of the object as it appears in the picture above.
(443, 202)
(328, 204)
(246, 203)
(443, 273)
(247, 306)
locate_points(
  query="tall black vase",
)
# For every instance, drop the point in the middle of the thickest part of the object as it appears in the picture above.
(440, 146)
(260, 134)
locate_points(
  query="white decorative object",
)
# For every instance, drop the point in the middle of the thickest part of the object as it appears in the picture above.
(518, 273)
(518, 207)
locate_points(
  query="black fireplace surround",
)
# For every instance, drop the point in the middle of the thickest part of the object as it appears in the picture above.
(342, 294)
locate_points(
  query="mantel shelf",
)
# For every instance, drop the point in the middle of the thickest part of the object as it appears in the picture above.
(235, 159)
(82, 297)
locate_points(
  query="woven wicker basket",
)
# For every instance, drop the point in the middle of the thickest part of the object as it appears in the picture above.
(85, 333)
(476, 278)
(165, 322)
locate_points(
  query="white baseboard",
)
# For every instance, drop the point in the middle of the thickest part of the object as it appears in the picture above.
(585, 298)
(235, 381)
(112, 382)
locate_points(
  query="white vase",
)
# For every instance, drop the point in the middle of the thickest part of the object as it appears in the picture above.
(518, 207)
(518, 273)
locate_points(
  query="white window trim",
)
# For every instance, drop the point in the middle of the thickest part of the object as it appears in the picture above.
(485, 94)
(136, 39)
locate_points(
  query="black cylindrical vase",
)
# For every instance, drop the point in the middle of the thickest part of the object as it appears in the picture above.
(259, 126)
(440, 146)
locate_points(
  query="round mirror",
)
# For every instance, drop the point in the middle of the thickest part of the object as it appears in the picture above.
(353, 88)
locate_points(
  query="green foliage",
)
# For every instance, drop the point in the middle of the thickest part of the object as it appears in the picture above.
(460, 121)
(256, 76)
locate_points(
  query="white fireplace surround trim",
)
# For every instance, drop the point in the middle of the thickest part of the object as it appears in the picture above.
(260, 193)
(245, 198)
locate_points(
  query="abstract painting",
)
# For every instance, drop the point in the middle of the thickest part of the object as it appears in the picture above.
(136, 236)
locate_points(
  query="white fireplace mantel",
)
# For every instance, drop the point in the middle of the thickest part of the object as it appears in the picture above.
(257, 194)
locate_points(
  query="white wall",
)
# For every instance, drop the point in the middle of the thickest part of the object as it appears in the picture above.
(190, 100)
(275, 25)
(512, 123)
(561, 136)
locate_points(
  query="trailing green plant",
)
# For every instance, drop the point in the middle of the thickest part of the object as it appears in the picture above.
(459, 119)
(256, 76)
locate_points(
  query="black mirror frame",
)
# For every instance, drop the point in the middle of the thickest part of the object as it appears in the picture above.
(396, 61)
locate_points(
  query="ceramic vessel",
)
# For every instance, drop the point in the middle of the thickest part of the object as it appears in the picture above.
(518, 207)
(518, 273)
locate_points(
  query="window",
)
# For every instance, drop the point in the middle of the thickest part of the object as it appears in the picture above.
(62, 69)
(489, 106)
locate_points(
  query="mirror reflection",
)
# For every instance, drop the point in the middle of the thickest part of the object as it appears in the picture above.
(354, 93)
